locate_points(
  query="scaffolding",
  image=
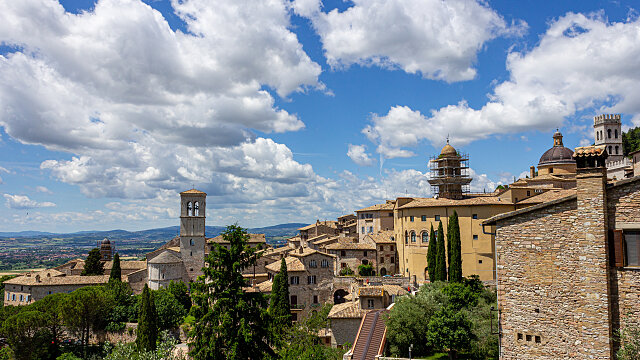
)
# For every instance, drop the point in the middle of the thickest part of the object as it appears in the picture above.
(449, 175)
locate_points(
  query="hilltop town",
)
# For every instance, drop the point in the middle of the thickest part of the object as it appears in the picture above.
(559, 246)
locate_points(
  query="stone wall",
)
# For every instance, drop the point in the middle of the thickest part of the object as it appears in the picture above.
(344, 331)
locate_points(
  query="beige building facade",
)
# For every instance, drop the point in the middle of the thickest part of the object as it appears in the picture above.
(374, 219)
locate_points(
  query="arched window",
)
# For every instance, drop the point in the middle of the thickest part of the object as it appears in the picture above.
(406, 237)
(413, 236)
(425, 237)
(610, 150)
(196, 209)
(616, 133)
(189, 209)
(609, 133)
(597, 135)
(601, 135)
(616, 149)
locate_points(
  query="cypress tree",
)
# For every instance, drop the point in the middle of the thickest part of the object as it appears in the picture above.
(147, 332)
(431, 255)
(115, 269)
(449, 240)
(93, 265)
(441, 258)
(279, 308)
(455, 263)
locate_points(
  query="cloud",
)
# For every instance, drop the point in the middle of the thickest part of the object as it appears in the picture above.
(359, 155)
(43, 189)
(23, 202)
(583, 64)
(439, 40)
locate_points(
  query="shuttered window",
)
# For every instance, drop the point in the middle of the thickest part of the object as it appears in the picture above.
(632, 247)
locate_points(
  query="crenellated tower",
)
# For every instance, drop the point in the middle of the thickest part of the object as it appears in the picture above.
(608, 131)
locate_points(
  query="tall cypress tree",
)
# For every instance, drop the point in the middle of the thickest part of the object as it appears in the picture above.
(280, 308)
(431, 255)
(449, 240)
(93, 265)
(115, 269)
(441, 258)
(147, 332)
(455, 262)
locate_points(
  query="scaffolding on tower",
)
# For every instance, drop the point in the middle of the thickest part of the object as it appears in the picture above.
(449, 175)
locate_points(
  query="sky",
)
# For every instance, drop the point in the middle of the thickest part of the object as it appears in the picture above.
(289, 110)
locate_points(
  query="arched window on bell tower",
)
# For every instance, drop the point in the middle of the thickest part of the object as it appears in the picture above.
(196, 209)
(189, 209)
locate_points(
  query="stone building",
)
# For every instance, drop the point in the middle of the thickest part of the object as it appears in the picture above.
(607, 129)
(107, 249)
(567, 268)
(386, 254)
(374, 219)
(319, 228)
(310, 280)
(351, 254)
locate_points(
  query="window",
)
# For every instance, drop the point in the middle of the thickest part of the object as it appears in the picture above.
(479, 261)
(363, 229)
(406, 237)
(365, 262)
(610, 149)
(413, 237)
(191, 242)
(370, 229)
(528, 192)
(538, 339)
(381, 247)
(411, 218)
(609, 133)
(49, 292)
(311, 279)
(370, 304)
(437, 217)
(391, 214)
(616, 133)
(13, 297)
(315, 299)
(474, 216)
(475, 237)
(343, 265)
(21, 298)
(519, 336)
(294, 300)
(381, 259)
(196, 209)
(365, 253)
(313, 264)
(294, 280)
(189, 209)
(423, 218)
(190, 253)
(393, 260)
(324, 264)
(425, 237)
(343, 253)
(616, 149)
(529, 337)
(294, 317)
(391, 247)
(632, 248)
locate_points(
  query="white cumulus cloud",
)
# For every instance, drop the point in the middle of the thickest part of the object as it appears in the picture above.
(24, 202)
(359, 155)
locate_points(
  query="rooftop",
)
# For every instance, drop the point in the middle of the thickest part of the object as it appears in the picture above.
(165, 257)
(253, 238)
(466, 201)
(389, 205)
(58, 280)
(193, 192)
(371, 291)
(381, 237)
(328, 223)
(346, 310)
(293, 264)
(349, 245)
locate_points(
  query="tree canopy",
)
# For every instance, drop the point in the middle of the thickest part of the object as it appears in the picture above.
(365, 270)
(441, 259)
(93, 265)
(147, 331)
(455, 248)
(115, 274)
(431, 255)
(631, 141)
(280, 307)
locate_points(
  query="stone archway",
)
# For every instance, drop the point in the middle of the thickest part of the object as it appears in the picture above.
(383, 272)
(338, 296)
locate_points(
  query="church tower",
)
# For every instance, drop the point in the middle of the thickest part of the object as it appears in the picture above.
(608, 131)
(449, 177)
(192, 241)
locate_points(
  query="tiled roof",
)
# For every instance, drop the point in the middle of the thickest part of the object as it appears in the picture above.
(253, 238)
(476, 200)
(127, 265)
(193, 192)
(492, 220)
(589, 151)
(369, 291)
(385, 206)
(166, 257)
(317, 238)
(59, 280)
(328, 223)
(348, 245)
(395, 289)
(265, 286)
(293, 264)
(346, 310)
(327, 240)
(380, 237)
(548, 196)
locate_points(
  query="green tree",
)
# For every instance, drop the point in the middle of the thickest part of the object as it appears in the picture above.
(302, 339)
(431, 255)
(51, 306)
(179, 290)
(450, 330)
(147, 331)
(230, 322)
(115, 274)
(169, 310)
(86, 309)
(279, 307)
(346, 271)
(129, 351)
(441, 258)
(629, 339)
(365, 270)
(455, 249)
(631, 141)
(124, 304)
(27, 334)
(93, 265)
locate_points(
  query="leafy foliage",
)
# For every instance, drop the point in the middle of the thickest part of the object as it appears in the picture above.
(147, 331)
(93, 265)
(230, 322)
(631, 141)
(86, 309)
(279, 307)
(27, 335)
(449, 330)
(365, 270)
(431, 255)
(441, 259)
(169, 310)
(629, 339)
(455, 248)
(129, 351)
(346, 271)
(179, 290)
(116, 273)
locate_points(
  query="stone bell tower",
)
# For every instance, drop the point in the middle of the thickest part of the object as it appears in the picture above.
(192, 240)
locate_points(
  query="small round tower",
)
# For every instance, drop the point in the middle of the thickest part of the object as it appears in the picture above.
(558, 160)
(449, 176)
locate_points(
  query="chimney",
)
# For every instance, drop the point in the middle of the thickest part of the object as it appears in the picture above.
(532, 172)
(591, 182)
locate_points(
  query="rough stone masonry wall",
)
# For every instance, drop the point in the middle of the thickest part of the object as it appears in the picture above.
(552, 286)
(624, 208)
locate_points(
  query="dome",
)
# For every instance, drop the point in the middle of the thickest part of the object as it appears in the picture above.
(106, 241)
(558, 154)
(448, 150)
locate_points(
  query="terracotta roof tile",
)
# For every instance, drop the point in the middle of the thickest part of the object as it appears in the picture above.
(381, 237)
(165, 257)
(348, 245)
(293, 264)
(371, 291)
(127, 265)
(475, 200)
(547, 196)
(346, 310)
(193, 192)
(253, 238)
(386, 206)
(59, 280)
(329, 223)
(589, 151)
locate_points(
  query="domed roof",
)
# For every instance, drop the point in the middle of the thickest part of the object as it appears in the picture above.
(106, 241)
(448, 150)
(558, 154)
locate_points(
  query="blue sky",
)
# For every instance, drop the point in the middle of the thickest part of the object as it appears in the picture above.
(289, 111)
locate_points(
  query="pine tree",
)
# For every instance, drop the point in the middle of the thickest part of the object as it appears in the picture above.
(115, 269)
(147, 332)
(93, 265)
(441, 258)
(431, 255)
(230, 322)
(455, 262)
(280, 308)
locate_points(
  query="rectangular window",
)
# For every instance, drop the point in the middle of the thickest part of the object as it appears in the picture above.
(474, 216)
(391, 248)
(294, 300)
(315, 299)
(370, 304)
(391, 214)
(479, 261)
(324, 264)
(311, 279)
(393, 260)
(381, 259)
(370, 229)
(343, 253)
(365, 253)
(632, 248)
(411, 218)
(475, 237)
(423, 218)
(529, 337)
(528, 193)
(363, 229)
(538, 339)
(295, 280)
(294, 317)
(313, 264)
(437, 217)
(381, 247)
